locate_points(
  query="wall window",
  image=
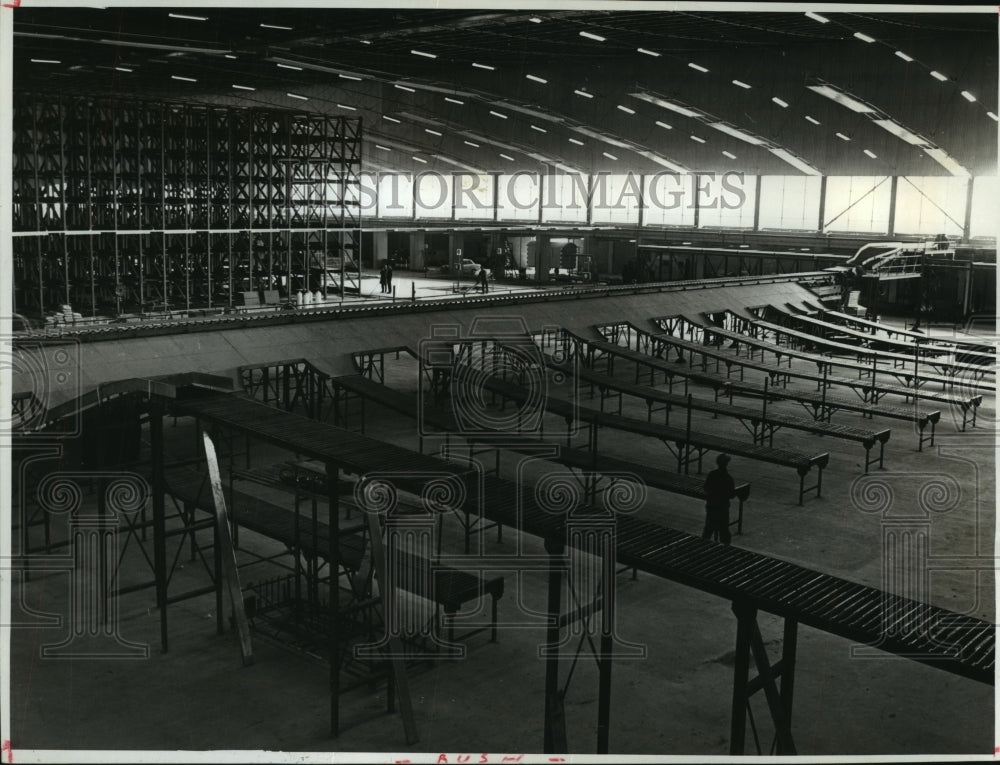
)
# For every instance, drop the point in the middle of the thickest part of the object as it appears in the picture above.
(985, 203)
(668, 200)
(857, 203)
(790, 202)
(616, 198)
(395, 195)
(518, 196)
(432, 195)
(931, 205)
(564, 197)
(474, 196)
(726, 200)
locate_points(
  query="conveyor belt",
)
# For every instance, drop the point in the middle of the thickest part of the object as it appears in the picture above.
(867, 387)
(925, 345)
(959, 644)
(720, 383)
(864, 436)
(977, 351)
(829, 361)
(972, 370)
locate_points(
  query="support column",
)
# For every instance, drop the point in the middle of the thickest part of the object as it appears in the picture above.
(543, 258)
(333, 567)
(159, 517)
(555, 721)
(417, 254)
(456, 251)
(745, 615)
(380, 248)
(967, 222)
(892, 204)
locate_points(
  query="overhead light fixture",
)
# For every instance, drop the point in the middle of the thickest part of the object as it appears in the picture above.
(741, 84)
(683, 110)
(592, 36)
(432, 132)
(791, 159)
(577, 142)
(391, 119)
(903, 56)
(403, 87)
(423, 53)
(483, 66)
(498, 114)
(968, 96)
(345, 106)
(947, 162)
(648, 52)
(296, 95)
(817, 17)
(871, 154)
(722, 127)
(813, 120)
(243, 87)
(626, 109)
(863, 37)
(901, 132)
(539, 129)
(185, 17)
(664, 125)
(122, 69)
(696, 138)
(470, 143)
(727, 154)
(184, 79)
(349, 77)
(365, 42)
(45, 61)
(697, 67)
(992, 116)
(842, 98)
(290, 66)
(275, 26)
(938, 76)
(583, 93)
(602, 137)
(508, 158)
(779, 102)
(451, 100)
(843, 137)
(535, 20)
(610, 156)
(535, 78)
(383, 148)
(229, 55)
(418, 159)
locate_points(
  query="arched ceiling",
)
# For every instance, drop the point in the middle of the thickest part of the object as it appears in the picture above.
(589, 90)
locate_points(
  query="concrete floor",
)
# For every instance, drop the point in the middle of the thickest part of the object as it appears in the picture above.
(675, 701)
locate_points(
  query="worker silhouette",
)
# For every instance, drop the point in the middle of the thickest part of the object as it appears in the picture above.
(483, 279)
(719, 489)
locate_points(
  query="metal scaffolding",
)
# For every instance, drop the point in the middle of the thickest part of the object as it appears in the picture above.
(133, 207)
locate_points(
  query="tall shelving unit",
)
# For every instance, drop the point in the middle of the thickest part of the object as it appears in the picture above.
(126, 207)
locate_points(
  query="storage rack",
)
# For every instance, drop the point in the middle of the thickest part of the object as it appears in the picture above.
(135, 207)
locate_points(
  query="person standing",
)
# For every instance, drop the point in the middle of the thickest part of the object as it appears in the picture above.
(484, 280)
(719, 488)
(388, 277)
(382, 278)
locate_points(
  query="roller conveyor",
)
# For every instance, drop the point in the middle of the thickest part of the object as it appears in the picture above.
(859, 613)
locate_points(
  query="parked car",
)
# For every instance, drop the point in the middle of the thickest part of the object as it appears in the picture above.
(469, 267)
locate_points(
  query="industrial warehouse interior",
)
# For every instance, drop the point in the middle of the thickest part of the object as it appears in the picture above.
(464, 384)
